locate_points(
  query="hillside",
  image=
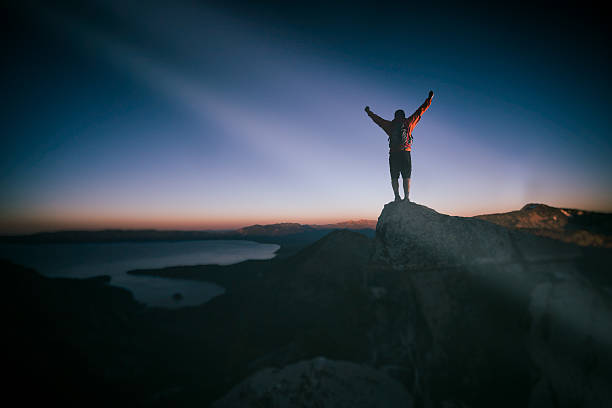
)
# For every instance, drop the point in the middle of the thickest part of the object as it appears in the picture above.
(585, 228)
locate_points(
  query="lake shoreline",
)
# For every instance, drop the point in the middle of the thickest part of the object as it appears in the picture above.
(114, 260)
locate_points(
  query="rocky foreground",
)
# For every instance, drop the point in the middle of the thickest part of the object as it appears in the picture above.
(436, 311)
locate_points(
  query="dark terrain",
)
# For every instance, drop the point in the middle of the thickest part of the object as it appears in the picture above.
(436, 311)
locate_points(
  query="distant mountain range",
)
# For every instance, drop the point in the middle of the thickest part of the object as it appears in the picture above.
(284, 229)
(585, 228)
(287, 228)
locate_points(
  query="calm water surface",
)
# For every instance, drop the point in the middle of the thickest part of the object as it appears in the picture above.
(115, 259)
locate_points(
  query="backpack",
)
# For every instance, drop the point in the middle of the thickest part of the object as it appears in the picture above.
(399, 137)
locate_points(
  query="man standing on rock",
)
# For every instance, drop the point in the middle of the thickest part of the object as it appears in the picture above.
(399, 131)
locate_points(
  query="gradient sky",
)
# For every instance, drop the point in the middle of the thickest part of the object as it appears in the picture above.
(202, 115)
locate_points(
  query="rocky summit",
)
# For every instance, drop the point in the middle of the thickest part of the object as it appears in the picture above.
(411, 236)
(489, 316)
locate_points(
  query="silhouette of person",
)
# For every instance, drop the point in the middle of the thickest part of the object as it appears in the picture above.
(399, 131)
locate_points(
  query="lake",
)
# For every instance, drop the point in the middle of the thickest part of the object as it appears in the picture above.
(115, 259)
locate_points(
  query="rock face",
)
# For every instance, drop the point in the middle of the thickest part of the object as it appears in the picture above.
(412, 236)
(489, 316)
(318, 383)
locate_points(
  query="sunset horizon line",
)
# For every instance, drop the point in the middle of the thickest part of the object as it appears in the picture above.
(41, 225)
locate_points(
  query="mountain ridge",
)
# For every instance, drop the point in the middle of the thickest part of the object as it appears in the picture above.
(108, 235)
(585, 228)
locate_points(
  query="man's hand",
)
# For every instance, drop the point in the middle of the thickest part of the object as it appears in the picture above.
(430, 94)
(367, 109)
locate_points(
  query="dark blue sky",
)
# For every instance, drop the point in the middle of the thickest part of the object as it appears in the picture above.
(211, 115)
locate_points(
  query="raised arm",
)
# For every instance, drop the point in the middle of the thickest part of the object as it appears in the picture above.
(377, 119)
(416, 116)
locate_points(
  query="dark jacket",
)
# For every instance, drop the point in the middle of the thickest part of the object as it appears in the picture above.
(410, 122)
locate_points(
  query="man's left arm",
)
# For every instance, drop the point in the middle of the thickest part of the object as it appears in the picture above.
(384, 124)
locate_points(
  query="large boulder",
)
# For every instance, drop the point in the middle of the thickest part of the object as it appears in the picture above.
(318, 383)
(474, 314)
(409, 235)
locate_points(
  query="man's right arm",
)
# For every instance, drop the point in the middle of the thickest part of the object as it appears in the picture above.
(416, 116)
(377, 119)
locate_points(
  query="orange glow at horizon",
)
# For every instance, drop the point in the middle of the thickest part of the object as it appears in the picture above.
(24, 223)
(21, 225)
